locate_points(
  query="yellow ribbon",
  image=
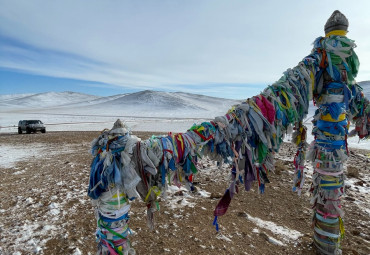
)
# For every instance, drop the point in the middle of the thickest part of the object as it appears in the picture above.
(155, 190)
(286, 101)
(231, 109)
(312, 82)
(336, 181)
(336, 32)
(299, 136)
(328, 117)
(341, 227)
(174, 146)
(331, 184)
(120, 195)
(253, 104)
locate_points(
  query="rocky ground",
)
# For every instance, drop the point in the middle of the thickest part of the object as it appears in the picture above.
(44, 208)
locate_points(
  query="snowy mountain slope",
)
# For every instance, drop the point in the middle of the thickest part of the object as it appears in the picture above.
(145, 110)
(143, 99)
(140, 104)
(160, 104)
(44, 100)
(149, 99)
(96, 101)
(10, 97)
(206, 101)
(167, 101)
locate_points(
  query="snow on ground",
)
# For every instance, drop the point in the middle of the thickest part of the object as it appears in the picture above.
(363, 191)
(178, 197)
(41, 220)
(286, 233)
(10, 154)
(35, 234)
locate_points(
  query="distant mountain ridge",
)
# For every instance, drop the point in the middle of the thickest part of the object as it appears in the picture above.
(142, 103)
(47, 99)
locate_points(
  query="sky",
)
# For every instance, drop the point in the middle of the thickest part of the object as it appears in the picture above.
(230, 49)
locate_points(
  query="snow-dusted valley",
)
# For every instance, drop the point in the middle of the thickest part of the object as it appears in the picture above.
(142, 111)
(44, 208)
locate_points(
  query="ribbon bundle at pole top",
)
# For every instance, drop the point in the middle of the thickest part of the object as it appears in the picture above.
(125, 167)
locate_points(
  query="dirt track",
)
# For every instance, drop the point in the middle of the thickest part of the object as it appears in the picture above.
(44, 207)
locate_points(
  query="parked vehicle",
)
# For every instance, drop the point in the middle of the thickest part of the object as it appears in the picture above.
(29, 126)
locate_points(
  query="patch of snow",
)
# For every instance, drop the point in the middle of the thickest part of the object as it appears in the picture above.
(54, 209)
(77, 252)
(19, 172)
(178, 201)
(362, 193)
(29, 232)
(255, 230)
(173, 189)
(11, 154)
(361, 189)
(275, 241)
(203, 193)
(287, 233)
(49, 227)
(29, 200)
(53, 205)
(222, 237)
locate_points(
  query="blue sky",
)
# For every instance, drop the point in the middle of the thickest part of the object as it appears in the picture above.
(228, 49)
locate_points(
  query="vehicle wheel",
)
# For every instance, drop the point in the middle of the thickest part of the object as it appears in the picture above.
(43, 130)
(28, 130)
(19, 130)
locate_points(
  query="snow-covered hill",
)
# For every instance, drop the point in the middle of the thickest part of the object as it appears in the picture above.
(153, 100)
(140, 104)
(10, 97)
(144, 110)
(156, 103)
(43, 100)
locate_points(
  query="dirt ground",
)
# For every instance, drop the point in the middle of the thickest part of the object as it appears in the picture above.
(44, 208)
